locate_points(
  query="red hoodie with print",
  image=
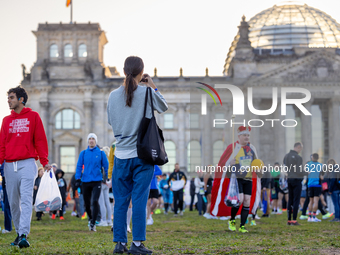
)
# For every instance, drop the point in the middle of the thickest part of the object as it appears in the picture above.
(22, 137)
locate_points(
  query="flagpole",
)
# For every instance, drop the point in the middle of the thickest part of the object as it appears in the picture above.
(71, 12)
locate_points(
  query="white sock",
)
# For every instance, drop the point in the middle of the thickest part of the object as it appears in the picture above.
(128, 218)
(137, 243)
(123, 244)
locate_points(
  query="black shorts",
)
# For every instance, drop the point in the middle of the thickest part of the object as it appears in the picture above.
(153, 193)
(244, 186)
(314, 191)
(208, 192)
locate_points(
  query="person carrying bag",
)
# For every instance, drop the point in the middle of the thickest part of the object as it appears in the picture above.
(131, 176)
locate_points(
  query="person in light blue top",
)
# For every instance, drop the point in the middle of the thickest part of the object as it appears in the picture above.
(314, 186)
(89, 168)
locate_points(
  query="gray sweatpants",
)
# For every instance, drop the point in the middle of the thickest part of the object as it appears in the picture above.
(104, 204)
(20, 177)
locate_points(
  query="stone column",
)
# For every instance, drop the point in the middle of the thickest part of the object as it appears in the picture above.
(306, 133)
(206, 145)
(88, 120)
(44, 115)
(181, 151)
(255, 131)
(279, 141)
(334, 131)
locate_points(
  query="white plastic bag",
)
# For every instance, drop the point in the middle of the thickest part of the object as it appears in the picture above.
(48, 196)
(232, 198)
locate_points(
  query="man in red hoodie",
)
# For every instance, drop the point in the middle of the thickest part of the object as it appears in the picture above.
(22, 142)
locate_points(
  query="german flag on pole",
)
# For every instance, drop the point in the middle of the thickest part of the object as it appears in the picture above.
(68, 2)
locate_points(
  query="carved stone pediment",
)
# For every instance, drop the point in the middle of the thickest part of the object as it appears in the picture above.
(319, 67)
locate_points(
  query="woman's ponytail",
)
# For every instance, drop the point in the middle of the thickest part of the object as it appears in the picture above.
(132, 67)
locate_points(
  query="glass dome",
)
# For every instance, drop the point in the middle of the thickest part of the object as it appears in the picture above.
(292, 24)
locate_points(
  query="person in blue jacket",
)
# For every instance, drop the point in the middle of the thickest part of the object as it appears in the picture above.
(153, 195)
(334, 187)
(93, 160)
(6, 208)
(314, 186)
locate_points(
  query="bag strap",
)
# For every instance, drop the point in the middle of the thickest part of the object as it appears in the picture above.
(148, 89)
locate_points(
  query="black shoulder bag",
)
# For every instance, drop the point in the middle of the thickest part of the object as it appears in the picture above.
(150, 140)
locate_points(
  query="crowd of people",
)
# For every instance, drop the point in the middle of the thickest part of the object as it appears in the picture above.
(139, 188)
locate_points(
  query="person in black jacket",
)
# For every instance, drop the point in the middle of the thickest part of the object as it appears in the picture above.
(192, 193)
(293, 164)
(62, 188)
(178, 181)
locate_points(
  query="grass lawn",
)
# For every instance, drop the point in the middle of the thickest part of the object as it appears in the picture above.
(189, 234)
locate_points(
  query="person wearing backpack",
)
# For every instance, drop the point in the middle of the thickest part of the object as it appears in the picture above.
(93, 160)
(131, 175)
(334, 187)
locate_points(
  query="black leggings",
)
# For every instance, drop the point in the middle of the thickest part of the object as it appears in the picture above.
(178, 200)
(294, 189)
(89, 189)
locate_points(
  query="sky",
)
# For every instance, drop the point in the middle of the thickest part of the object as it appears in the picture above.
(168, 35)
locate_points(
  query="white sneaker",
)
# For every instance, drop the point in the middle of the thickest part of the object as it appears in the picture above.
(206, 215)
(73, 214)
(149, 222)
(4, 231)
(109, 223)
(102, 224)
(224, 218)
(310, 219)
(181, 213)
(316, 220)
(257, 217)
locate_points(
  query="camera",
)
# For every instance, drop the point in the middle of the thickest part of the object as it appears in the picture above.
(144, 80)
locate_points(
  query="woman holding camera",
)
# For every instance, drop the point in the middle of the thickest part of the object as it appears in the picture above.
(131, 176)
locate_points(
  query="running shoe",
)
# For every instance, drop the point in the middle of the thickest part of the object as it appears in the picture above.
(257, 217)
(139, 249)
(109, 223)
(316, 220)
(181, 213)
(120, 248)
(102, 224)
(231, 224)
(22, 242)
(333, 220)
(73, 214)
(53, 217)
(92, 228)
(62, 218)
(243, 230)
(310, 219)
(84, 216)
(149, 222)
(224, 218)
(327, 215)
(294, 223)
(253, 223)
(303, 217)
(4, 231)
(16, 241)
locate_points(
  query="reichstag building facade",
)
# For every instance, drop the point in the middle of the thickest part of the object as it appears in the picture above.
(285, 46)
